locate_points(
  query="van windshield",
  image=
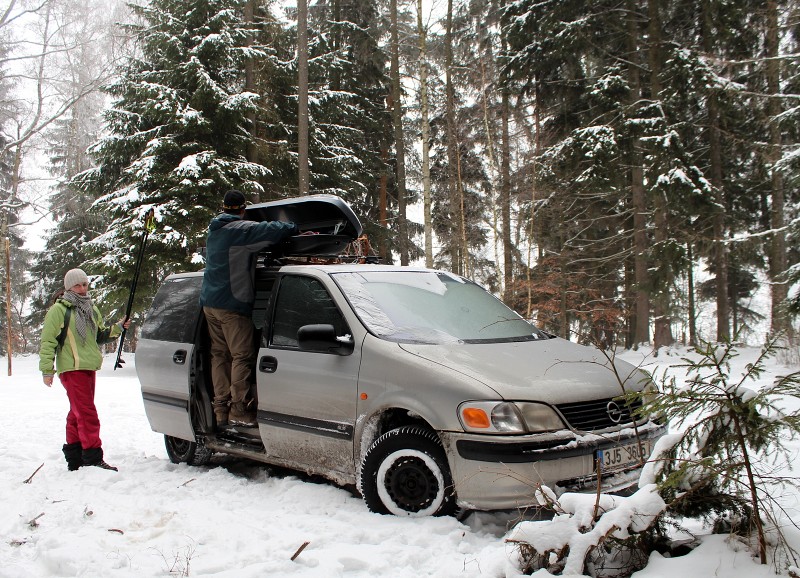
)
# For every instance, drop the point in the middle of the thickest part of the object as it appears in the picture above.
(431, 307)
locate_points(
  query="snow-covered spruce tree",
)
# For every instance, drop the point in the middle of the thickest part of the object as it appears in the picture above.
(348, 114)
(588, 91)
(11, 206)
(466, 150)
(178, 132)
(789, 164)
(75, 223)
(726, 465)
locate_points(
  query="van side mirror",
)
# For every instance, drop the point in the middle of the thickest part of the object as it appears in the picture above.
(322, 338)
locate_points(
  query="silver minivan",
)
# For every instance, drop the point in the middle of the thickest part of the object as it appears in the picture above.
(415, 386)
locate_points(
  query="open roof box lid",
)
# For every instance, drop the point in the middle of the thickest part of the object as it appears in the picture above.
(329, 216)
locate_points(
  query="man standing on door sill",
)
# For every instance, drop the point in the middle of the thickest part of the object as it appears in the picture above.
(227, 298)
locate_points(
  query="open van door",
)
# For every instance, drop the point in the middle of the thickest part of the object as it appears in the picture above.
(167, 342)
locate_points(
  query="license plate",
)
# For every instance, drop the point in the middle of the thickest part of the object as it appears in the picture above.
(624, 455)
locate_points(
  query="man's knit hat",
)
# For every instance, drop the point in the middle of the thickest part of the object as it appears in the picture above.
(234, 201)
(75, 277)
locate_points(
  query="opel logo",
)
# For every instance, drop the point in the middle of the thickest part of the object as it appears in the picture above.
(614, 411)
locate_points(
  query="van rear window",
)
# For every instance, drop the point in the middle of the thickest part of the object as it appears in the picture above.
(175, 311)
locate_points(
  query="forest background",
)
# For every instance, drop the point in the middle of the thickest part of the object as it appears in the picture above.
(611, 169)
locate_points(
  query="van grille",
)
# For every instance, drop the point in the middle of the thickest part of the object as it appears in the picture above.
(598, 414)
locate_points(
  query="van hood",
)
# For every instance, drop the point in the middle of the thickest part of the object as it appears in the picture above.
(553, 370)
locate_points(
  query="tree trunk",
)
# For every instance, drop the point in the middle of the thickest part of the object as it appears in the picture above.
(6, 236)
(537, 154)
(249, 82)
(563, 288)
(426, 165)
(382, 204)
(9, 340)
(452, 144)
(777, 248)
(488, 127)
(336, 44)
(662, 306)
(720, 252)
(505, 191)
(690, 295)
(399, 142)
(638, 199)
(302, 98)
(462, 223)
(630, 304)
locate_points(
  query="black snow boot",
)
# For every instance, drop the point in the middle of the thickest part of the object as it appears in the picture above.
(94, 457)
(74, 455)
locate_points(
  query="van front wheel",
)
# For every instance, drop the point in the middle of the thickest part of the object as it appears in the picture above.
(184, 451)
(405, 473)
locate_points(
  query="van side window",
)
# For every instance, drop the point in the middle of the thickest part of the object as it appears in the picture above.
(261, 304)
(175, 311)
(303, 301)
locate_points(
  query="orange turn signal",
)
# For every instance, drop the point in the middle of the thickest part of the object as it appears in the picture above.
(363, 396)
(475, 417)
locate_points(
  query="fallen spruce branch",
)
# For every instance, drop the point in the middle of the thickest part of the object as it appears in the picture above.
(28, 481)
(116, 530)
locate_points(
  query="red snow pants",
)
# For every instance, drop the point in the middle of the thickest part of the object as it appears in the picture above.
(83, 425)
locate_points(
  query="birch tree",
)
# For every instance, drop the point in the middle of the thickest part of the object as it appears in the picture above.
(41, 40)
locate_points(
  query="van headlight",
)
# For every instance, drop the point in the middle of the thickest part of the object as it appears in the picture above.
(505, 417)
(649, 395)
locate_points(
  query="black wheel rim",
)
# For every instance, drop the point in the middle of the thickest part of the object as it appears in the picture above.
(181, 447)
(411, 484)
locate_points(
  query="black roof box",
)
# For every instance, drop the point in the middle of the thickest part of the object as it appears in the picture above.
(329, 216)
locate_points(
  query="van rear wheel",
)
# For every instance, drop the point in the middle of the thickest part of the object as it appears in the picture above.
(405, 473)
(184, 451)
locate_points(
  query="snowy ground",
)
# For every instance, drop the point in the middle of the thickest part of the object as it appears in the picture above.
(234, 518)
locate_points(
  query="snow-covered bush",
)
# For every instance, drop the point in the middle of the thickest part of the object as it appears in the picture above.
(724, 466)
(605, 536)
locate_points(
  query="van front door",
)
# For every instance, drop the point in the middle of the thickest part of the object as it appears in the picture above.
(307, 400)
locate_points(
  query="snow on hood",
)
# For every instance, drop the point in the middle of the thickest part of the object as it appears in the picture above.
(552, 370)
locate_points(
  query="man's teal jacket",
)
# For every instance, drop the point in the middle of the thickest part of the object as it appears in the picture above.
(231, 249)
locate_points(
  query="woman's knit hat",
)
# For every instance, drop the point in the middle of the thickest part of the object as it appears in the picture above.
(75, 277)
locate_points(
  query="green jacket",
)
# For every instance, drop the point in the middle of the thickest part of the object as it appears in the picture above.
(74, 355)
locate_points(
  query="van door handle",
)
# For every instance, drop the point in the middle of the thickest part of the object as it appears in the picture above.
(267, 364)
(179, 357)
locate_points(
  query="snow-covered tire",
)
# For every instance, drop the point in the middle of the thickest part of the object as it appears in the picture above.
(405, 473)
(184, 451)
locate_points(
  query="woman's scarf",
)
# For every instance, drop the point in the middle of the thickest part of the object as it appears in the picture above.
(84, 313)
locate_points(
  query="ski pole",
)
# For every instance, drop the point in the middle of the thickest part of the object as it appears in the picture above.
(149, 225)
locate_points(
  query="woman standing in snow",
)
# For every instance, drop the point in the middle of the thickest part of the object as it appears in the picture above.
(73, 328)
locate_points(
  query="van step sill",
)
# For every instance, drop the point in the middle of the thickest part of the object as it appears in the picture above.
(233, 442)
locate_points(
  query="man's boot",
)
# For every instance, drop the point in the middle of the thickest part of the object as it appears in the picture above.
(243, 413)
(221, 410)
(94, 457)
(73, 453)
